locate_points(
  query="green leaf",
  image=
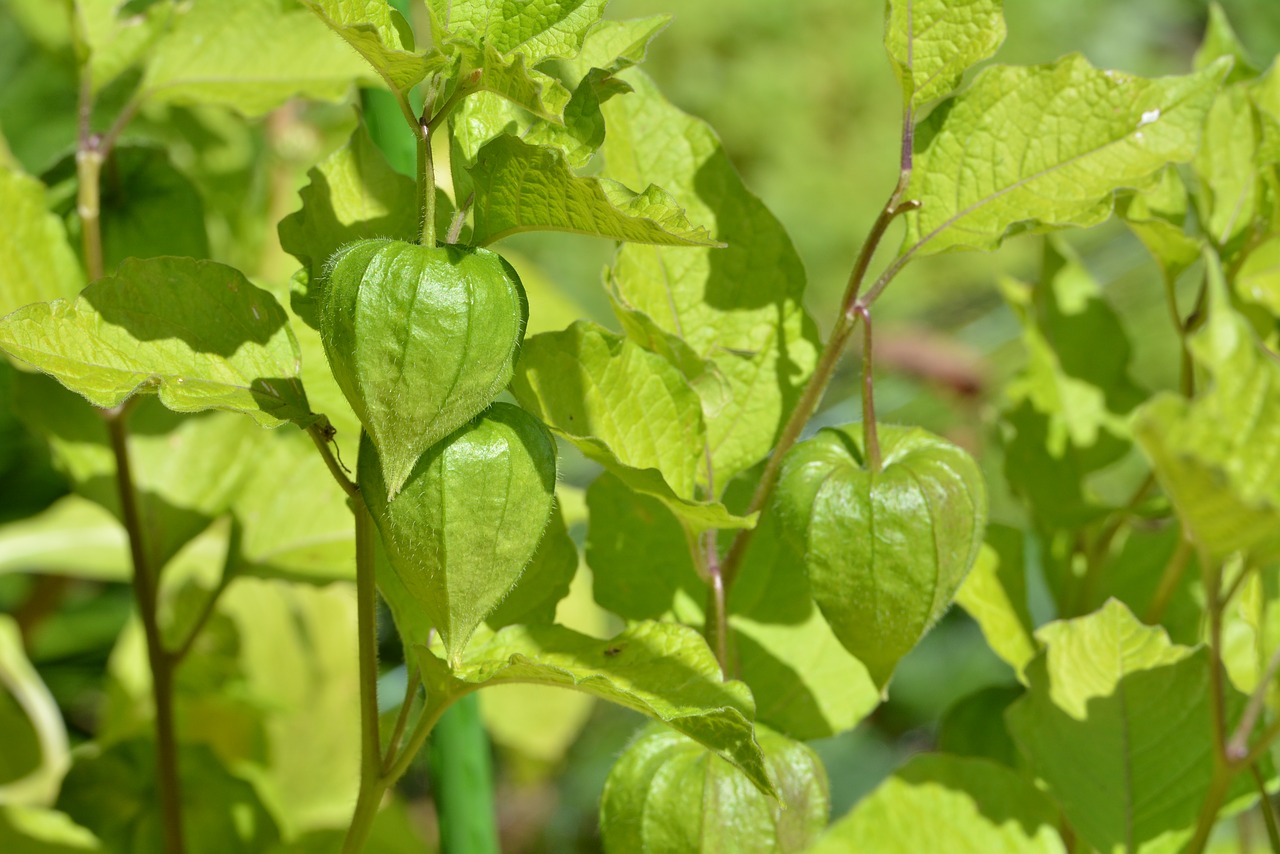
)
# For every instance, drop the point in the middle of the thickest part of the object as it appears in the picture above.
(974, 726)
(1231, 186)
(549, 722)
(953, 804)
(147, 208)
(114, 793)
(115, 44)
(370, 29)
(1217, 456)
(931, 43)
(612, 46)
(30, 830)
(995, 595)
(1220, 40)
(510, 78)
(1258, 280)
(521, 187)
(984, 170)
(229, 53)
(469, 519)
(1066, 411)
(544, 582)
(294, 519)
(420, 340)
(1097, 728)
(661, 670)
(596, 389)
(195, 332)
(1158, 217)
(187, 469)
(885, 550)
(36, 262)
(669, 793)
(35, 752)
(74, 537)
(738, 308)
(537, 31)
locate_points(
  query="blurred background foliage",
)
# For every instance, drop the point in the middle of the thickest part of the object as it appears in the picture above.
(805, 102)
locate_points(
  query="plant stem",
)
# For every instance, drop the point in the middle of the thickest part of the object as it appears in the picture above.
(1213, 580)
(1238, 746)
(145, 593)
(1169, 579)
(426, 184)
(1218, 788)
(870, 438)
(1267, 808)
(411, 687)
(367, 652)
(462, 780)
(716, 621)
(322, 434)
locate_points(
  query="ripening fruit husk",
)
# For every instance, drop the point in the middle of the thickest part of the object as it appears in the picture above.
(419, 339)
(885, 551)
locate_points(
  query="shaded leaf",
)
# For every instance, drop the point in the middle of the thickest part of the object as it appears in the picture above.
(74, 537)
(195, 332)
(544, 582)
(995, 595)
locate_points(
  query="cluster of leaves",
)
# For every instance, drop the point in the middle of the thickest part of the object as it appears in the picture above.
(769, 587)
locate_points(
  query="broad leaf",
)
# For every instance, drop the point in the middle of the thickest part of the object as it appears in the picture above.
(385, 43)
(544, 582)
(612, 46)
(1158, 217)
(512, 80)
(1231, 186)
(521, 187)
(661, 670)
(36, 262)
(1258, 280)
(537, 31)
(420, 340)
(974, 726)
(1217, 456)
(229, 53)
(669, 793)
(469, 519)
(35, 754)
(946, 803)
(195, 332)
(994, 161)
(885, 549)
(931, 43)
(1220, 40)
(995, 595)
(623, 406)
(737, 307)
(1097, 728)
(114, 793)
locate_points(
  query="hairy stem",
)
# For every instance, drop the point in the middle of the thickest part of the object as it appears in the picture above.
(371, 787)
(426, 185)
(411, 687)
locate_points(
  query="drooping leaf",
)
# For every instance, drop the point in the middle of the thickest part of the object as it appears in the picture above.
(649, 799)
(116, 42)
(994, 161)
(662, 670)
(612, 46)
(74, 537)
(948, 803)
(514, 80)
(738, 307)
(1096, 726)
(229, 53)
(469, 519)
(36, 262)
(195, 332)
(1220, 40)
(35, 754)
(31, 830)
(114, 793)
(536, 31)
(995, 595)
(931, 43)
(385, 43)
(187, 470)
(521, 187)
(885, 550)
(1217, 456)
(1158, 217)
(420, 340)
(1231, 185)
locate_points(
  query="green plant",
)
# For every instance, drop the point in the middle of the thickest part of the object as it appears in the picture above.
(770, 582)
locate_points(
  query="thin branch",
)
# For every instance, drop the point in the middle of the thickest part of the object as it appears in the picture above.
(322, 434)
(210, 604)
(1238, 746)
(1267, 808)
(1169, 580)
(402, 719)
(459, 219)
